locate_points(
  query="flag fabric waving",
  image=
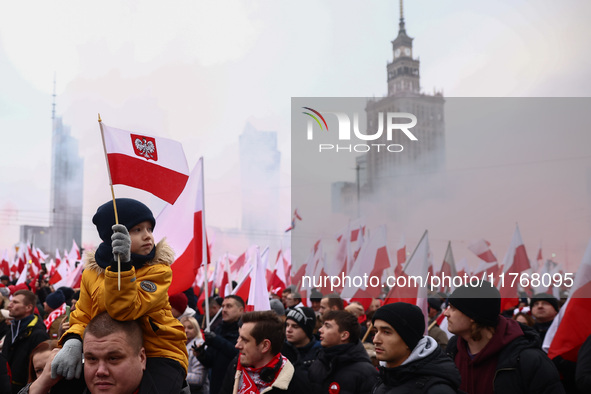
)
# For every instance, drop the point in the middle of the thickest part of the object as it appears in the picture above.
(258, 297)
(572, 325)
(182, 225)
(515, 262)
(154, 164)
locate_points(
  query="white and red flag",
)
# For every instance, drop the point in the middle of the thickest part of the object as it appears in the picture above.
(371, 261)
(5, 264)
(296, 216)
(448, 270)
(60, 276)
(515, 262)
(183, 226)
(258, 297)
(489, 264)
(74, 252)
(572, 326)
(414, 288)
(154, 164)
(279, 279)
(400, 256)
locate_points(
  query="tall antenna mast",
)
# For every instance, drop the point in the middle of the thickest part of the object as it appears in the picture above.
(401, 28)
(53, 104)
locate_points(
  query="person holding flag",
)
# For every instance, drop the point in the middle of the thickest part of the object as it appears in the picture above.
(145, 278)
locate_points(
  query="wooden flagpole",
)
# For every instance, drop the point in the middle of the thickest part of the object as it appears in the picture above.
(113, 196)
(204, 262)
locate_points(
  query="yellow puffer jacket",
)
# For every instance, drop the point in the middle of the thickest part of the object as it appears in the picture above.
(143, 296)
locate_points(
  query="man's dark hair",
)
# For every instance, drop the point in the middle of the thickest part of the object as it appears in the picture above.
(213, 301)
(103, 324)
(238, 299)
(287, 290)
(346, 322)
(335, 300)
(30, 297)
(296, 296)
(267, 325)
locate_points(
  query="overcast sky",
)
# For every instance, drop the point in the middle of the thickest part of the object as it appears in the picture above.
(197, 71)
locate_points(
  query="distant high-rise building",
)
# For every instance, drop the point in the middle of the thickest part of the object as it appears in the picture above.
(380, 171)
(67, 174)
(259, 171)
(404, 95)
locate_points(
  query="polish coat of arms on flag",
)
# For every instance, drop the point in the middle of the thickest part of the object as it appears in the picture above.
(144, 146)
(154, 164)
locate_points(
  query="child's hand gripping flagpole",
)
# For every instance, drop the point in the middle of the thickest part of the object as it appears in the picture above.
(114, 203)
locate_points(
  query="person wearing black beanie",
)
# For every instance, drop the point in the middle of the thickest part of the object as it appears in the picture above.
(412, 359)
(495, 354)
(145, 277)
(300, 347)
(544, 309)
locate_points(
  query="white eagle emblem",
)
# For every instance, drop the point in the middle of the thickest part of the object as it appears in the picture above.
(146, 148)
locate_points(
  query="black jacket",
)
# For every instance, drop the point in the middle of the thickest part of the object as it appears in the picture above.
(219, 353)
(302, 356)
(347, 366)
(431, 371)
(17, 352)
(522, 366)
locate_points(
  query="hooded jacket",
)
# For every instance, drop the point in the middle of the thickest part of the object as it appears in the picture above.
(511, 362)
(426, 370)
(143, 296)
(346, 366)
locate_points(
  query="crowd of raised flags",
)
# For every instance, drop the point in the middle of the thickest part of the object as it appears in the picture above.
(255, 273)
(26, 263)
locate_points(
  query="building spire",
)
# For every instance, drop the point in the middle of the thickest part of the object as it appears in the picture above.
(53, 104)
(401, 28)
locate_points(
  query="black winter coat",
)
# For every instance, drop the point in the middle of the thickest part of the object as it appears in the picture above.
(522, 366)
(347, 366)
(434, 374)
(17, 352)
(219, 353)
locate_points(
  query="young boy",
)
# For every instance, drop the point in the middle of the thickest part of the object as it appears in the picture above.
(145, 278)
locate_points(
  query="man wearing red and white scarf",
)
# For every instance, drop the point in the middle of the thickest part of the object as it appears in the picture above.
(55, 305)
(260, 368)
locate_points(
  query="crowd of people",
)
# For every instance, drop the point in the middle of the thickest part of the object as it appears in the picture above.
(130, 336)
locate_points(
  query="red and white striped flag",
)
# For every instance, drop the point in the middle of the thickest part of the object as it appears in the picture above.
(418, 266)
(572, 326)
(154, 164)
(258, 297)
(5, 264)
(448, 269)
(372, 260)
(279, 278)
(515, 262)
(74, 252)
(489, 264)
(400, 256)
(183, 226)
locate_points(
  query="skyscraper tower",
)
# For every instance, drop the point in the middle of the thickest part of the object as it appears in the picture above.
(67, 173)
(259, 167)
(403, 71)
(384, 169)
